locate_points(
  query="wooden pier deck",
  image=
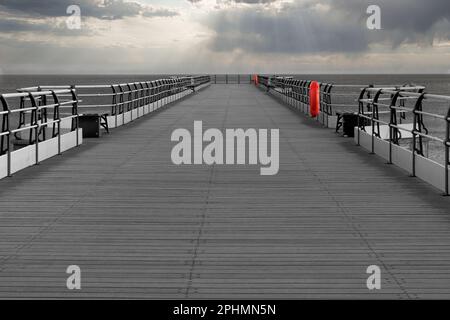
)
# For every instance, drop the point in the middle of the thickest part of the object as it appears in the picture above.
(140, 227)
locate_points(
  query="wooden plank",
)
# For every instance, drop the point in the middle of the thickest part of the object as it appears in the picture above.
(140, 227)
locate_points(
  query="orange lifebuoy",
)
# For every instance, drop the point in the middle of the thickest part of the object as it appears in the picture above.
(314, 99)
(254, 79)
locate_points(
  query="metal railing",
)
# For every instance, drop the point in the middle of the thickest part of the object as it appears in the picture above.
(38, 105)
(335, 98)
(117, 99)
(35, 114)
(397, 103)
(231, 79)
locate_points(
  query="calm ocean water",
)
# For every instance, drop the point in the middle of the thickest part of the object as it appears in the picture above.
(438, 84)
(9, 83)
(434, 83)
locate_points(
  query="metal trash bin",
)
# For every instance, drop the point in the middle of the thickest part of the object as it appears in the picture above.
(350, 121)
(90, 123)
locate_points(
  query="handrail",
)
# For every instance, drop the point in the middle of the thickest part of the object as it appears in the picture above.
(38, 109)
(32, 107)
(369, 99)
(125, 96)
(419, 132)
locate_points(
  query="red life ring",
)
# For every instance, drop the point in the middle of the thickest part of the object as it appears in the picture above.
(314, 99)
(256, 79)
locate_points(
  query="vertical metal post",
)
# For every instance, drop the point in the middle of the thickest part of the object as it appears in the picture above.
(158, 94)
(114, 104)
(75, 114)
(360, 108)
(329, 104)
(122, 104)
(152, 96)
(374, 103)
(58, 119)
(147, 96)
(323, 103)
(417, 107)
(392, 122)
(8, 141)
(141, 99)
(447, 154)
(36, 128)
(5, 128)
(130, 102)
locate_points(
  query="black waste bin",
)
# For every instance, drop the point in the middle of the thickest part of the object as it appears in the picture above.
(90, 123)
(350, 121)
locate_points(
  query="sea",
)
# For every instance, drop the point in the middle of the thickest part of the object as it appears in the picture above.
(436, 84)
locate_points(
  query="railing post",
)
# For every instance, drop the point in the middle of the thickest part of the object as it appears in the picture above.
(122, 104)
(35, 120)
(152, 96)
(447, 154)
(75, 114)
(329, 104)
(374, 103)
(8, 141)
(130, 101)
(392, 122)
(147, 96)
(158, 94)
(323, 103)
(58, 118)
(417, 107)
(5, 128)
(141, 99)
(360, 109)
(114, 104)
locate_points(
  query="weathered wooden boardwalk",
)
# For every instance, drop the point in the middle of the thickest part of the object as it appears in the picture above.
(140, 227)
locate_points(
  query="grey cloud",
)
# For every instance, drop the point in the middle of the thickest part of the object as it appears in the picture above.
(254, 1)
(301, 28)
(292, 30)
(415, 15)
(13, 25)
(240, 1)
(101, 9)
(109, 9)
(151, 12)
(403, 21)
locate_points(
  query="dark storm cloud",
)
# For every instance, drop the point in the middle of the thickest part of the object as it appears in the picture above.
(14, 25)
(403, 21)
(303, 27)
(293, 29)
(20, 25)
(413, 15)
(101, 9)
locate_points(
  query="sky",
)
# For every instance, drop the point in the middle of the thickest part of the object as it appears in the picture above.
(224, 36)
